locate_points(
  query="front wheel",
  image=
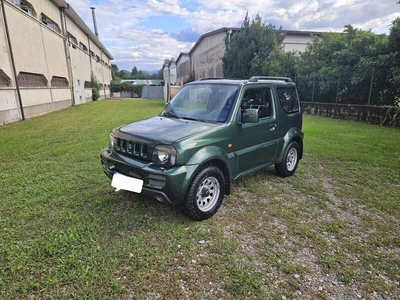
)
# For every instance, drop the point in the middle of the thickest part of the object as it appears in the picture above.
(205, 194)
(290, 161)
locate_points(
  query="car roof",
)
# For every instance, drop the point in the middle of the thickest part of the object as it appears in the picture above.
(219, 81)
(277, 81)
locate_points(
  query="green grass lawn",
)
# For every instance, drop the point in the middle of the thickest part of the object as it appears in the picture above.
(330, 231)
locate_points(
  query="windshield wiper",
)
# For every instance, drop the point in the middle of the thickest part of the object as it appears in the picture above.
(198, 120)
(191, 118)
(170, 114)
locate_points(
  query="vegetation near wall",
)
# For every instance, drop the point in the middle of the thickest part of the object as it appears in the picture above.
(256, 50)
(95, 88)
(356, 66)
(126, 87)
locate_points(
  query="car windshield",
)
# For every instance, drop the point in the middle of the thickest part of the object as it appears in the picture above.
(202, 102)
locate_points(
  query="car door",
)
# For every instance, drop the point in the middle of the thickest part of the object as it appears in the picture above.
(256, 143)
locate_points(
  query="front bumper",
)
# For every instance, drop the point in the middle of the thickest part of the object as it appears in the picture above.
(165, 185)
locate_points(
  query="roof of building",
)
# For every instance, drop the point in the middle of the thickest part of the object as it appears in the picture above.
(172, 61)
(235, 29)
(182, 54)
(82, 25)
(203, 36)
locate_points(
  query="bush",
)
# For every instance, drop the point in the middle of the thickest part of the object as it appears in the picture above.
(95, 88)
(126, 87)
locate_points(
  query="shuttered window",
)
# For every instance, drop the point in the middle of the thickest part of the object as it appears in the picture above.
(31, 80)
(4, 79)
(83, 47)
(49, 22)
(72, 39)
(57, 81)
(25, 6)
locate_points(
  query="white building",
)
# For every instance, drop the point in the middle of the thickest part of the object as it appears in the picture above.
(206, 55)
(47, 56)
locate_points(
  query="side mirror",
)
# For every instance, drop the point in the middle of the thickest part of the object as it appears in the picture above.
(250, 115)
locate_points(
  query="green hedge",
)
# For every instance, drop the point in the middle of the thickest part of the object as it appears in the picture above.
(126, 87)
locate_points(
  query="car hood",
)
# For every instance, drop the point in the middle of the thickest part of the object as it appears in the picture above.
(164, 129)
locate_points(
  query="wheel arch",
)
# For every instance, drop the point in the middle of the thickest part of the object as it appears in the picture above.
(293, 135)
(220, 164)
(299, 141)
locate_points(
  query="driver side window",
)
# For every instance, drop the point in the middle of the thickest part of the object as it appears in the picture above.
(261, 99)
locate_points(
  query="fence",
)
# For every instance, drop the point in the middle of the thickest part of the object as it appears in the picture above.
(377, 115)
(367, 87)
(152, 92)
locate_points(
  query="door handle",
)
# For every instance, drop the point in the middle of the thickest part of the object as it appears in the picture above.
(272, 127)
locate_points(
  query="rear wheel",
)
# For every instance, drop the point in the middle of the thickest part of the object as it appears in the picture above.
(205, 194)
(290, 162)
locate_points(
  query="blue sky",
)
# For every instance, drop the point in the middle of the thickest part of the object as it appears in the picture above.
(143, 33)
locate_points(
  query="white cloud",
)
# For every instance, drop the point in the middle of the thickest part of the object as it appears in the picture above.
(167, 7)
(146, 47)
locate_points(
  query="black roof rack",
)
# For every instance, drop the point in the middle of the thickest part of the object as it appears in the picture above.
(257, 78)
(211, 78)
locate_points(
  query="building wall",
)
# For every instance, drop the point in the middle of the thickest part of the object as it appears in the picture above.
(8, 99)
(294, 42)
(182, 70)
(207, 57)
(39, 49)
(172, 74)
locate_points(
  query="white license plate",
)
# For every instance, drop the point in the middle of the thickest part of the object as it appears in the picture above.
(122, 182)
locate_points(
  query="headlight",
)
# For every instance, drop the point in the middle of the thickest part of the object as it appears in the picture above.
(164, 155)
(112, 141)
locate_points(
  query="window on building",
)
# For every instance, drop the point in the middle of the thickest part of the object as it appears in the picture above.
(4, 79)
(88, 85)
(57, 81)
(101, 85)
(72, 39)
(49, 22)
(97, 58)
(31, 80)
(91, 53)
(25, 6)
(83, 47)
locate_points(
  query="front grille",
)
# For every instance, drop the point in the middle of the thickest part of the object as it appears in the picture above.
(131, 148)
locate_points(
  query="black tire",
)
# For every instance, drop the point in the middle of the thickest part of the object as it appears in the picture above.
(201, 200)
(285, 168)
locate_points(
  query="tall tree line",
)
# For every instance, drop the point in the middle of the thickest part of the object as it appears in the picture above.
(348, 67)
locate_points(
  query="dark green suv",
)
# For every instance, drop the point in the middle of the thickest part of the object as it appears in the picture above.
(213, 132)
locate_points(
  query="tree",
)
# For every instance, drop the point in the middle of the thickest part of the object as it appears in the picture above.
(134, 71)
(254, 50)
(340, 67)
(160, 74)
(124, 74)
(114, 72)
(95, 88)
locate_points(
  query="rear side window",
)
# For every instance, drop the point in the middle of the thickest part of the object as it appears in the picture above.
(288, 99)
